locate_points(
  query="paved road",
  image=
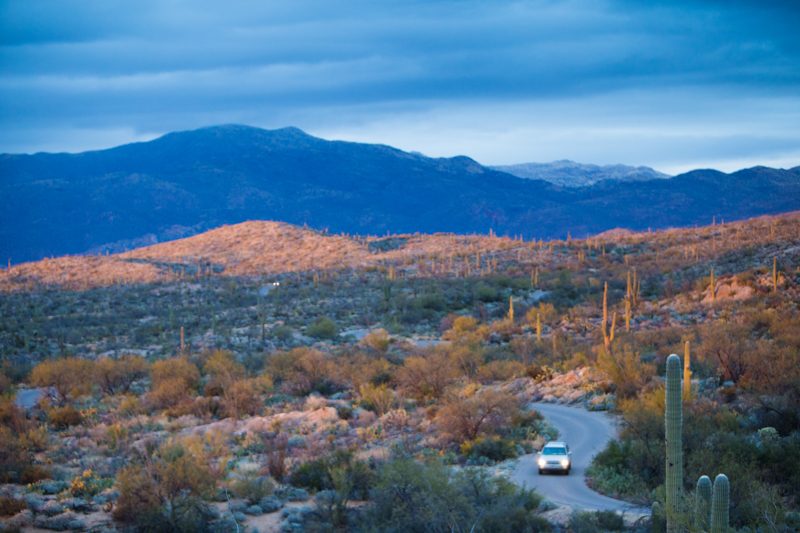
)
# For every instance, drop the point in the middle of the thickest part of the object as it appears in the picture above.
(587, 433)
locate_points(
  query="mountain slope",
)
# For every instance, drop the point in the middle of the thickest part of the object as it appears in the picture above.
(184, 183)
(567, 173)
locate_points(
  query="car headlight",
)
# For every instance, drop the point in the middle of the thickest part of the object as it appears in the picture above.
(565, 463)
(542, 462)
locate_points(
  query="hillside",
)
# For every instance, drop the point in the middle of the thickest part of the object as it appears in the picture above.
(567, 173)
(264, 248)
(184, 183)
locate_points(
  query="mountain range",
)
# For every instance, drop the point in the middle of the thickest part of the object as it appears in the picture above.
(568, 173)
(187, 182)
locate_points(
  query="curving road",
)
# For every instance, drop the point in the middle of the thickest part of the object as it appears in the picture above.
(587, 433)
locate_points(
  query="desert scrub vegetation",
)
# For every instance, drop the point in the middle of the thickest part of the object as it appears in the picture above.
(424, 375)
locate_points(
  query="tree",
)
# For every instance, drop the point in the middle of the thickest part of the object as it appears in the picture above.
(467, 415)
(66, 378)
(173, 381)
(222, 370)
(115, 376)
(425, 377)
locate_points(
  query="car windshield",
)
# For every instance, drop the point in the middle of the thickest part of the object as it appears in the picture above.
(554, 451)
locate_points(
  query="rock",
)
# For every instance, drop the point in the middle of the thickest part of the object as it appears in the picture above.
(254, 510)
(270, 504)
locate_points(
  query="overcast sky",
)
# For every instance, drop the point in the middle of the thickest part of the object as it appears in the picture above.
(673, 85)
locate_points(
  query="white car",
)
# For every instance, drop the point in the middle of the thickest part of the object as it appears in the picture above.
(555, 457)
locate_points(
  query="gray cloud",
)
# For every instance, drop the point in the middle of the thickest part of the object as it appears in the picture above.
(669, 84)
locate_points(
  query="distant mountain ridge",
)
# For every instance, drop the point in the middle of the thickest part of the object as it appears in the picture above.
(568, 173)
(187, 182)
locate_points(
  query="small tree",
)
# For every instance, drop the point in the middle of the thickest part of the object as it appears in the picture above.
(67, 378)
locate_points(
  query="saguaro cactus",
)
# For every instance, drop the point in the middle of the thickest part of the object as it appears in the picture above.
(673, 419)
(702, 503)
(687, 372)
(511, 308)
(720, 504)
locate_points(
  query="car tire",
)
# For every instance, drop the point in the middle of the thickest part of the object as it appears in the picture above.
(566, 472)
(541, 472)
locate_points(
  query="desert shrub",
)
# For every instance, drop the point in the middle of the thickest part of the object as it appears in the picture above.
(166, 494)
(11, 506)
(323, 328)
(470, 414)
(486, 293)
(425, 377)
(17, 460)
(500, 371)
(63, 417)
(321, 474)
(115, 376)
(626, 370)
(489, 449)
(302, 371)
(69, 377)
(417, 497)
(139, 502)
(243, 397)
(379, 399)
(173, 381)
(377, 341)
(222, 370)
(252, 487)
(590, 522)
(173, 370)
(88, 484)
(277, 450)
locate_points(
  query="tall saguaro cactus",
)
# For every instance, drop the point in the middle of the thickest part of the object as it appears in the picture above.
(673, 419)
(702, 503)
(687, 372)
(720, 504)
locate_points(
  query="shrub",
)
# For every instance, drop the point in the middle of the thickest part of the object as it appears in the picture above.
(252, 487)
(425, 377)
(11, 506)
(64, 417)
(222, 370)
(67, 377)
(411, 496)
(379, 399)
(323, 328)
(115, 376)
(470, 414)
(589, 522)
(139, 502)
(243, 397)
(494, 449)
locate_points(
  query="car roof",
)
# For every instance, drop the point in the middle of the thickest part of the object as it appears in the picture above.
(556, 443)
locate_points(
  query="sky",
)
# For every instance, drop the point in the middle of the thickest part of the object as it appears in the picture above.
(672, 85)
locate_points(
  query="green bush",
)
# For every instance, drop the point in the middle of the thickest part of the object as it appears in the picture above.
(416, 497)
(590, 522)
(489, 449)
(323, 328)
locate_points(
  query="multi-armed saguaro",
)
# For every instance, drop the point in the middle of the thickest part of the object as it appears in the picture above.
(673, 419)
